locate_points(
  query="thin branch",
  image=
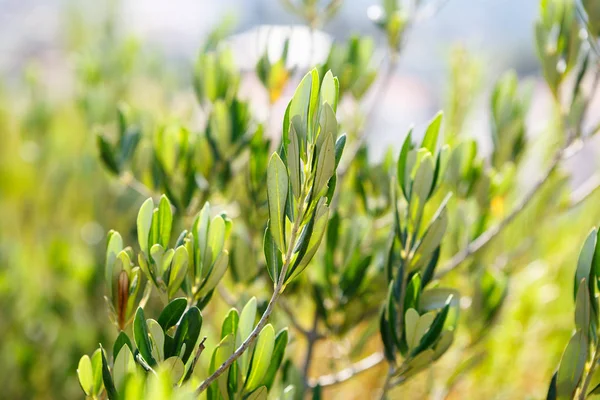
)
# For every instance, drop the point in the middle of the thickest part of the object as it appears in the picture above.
(277, 291)
(347, 373)
(226, 296)
(590, 373)
(311, 340)
(130, 181)
(387, 385)
(585, 190)
(485, 238)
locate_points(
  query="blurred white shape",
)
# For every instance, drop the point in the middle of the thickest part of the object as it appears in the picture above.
(29, 151)
(92, 233)
(375, 13)
(307, 47)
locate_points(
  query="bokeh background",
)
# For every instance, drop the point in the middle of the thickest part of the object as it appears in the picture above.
(64, 65)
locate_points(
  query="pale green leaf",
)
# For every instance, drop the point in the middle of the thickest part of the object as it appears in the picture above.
(144, 224)
(113, 247)
(245, 326)
(86, 375)
(325, 164)
(261, 358)
(158, 339)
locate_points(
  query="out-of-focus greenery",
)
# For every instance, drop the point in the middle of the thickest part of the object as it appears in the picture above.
(484, 244)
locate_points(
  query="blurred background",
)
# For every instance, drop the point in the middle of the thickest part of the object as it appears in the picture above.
(64, 65)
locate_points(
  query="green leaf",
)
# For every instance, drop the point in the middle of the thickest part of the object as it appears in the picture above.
(158, 339)
(230, 323)
(413, 292)
(113, 248)
(281, 341)
(85, 373)
(386, 337)
(310, 239)
(200, 234)
(246, 324)
(299, 107)
(340, 143)
(416, 326)
(175, 367)
(433, 334)
(328, 124)
(123, 365)
(353, 276)
(329, 90)
(144, 223)
(140, 337)
(272, 256)
(107, 379)
(277, 191)
(187, 333)
(421, 186)
(314, 104)
(171, 314)
(178, 270)
(583, 308)
(443, 344)
(572, 365)
(431, 135)
(258, 394)
(407, 146)
(165, 221)
(418, 363)
(325, 164)
(154, 229)
(161, 260)
(261, 357)
(216, 274)
(433, 235)
(216, 242)
(107, 154)
(122, 340)
(586, 259)
(98, 383)
(223, 351)
(317, 392)
(293, 161)
(552, 388)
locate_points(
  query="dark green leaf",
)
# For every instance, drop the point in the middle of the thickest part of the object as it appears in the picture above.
(572, 365)
(281, 341)
(277, 191)
(171, 314)
(272, 256)
(109, 385)
(230, 323)
(187, 332)
(122, 340)
(140, 336)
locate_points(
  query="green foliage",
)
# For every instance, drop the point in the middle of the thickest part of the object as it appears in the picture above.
(576, 375)
(277, 256)
(414, 320)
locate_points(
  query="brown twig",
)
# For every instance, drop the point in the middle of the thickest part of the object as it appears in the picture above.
(347, 373)
(311, 340)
